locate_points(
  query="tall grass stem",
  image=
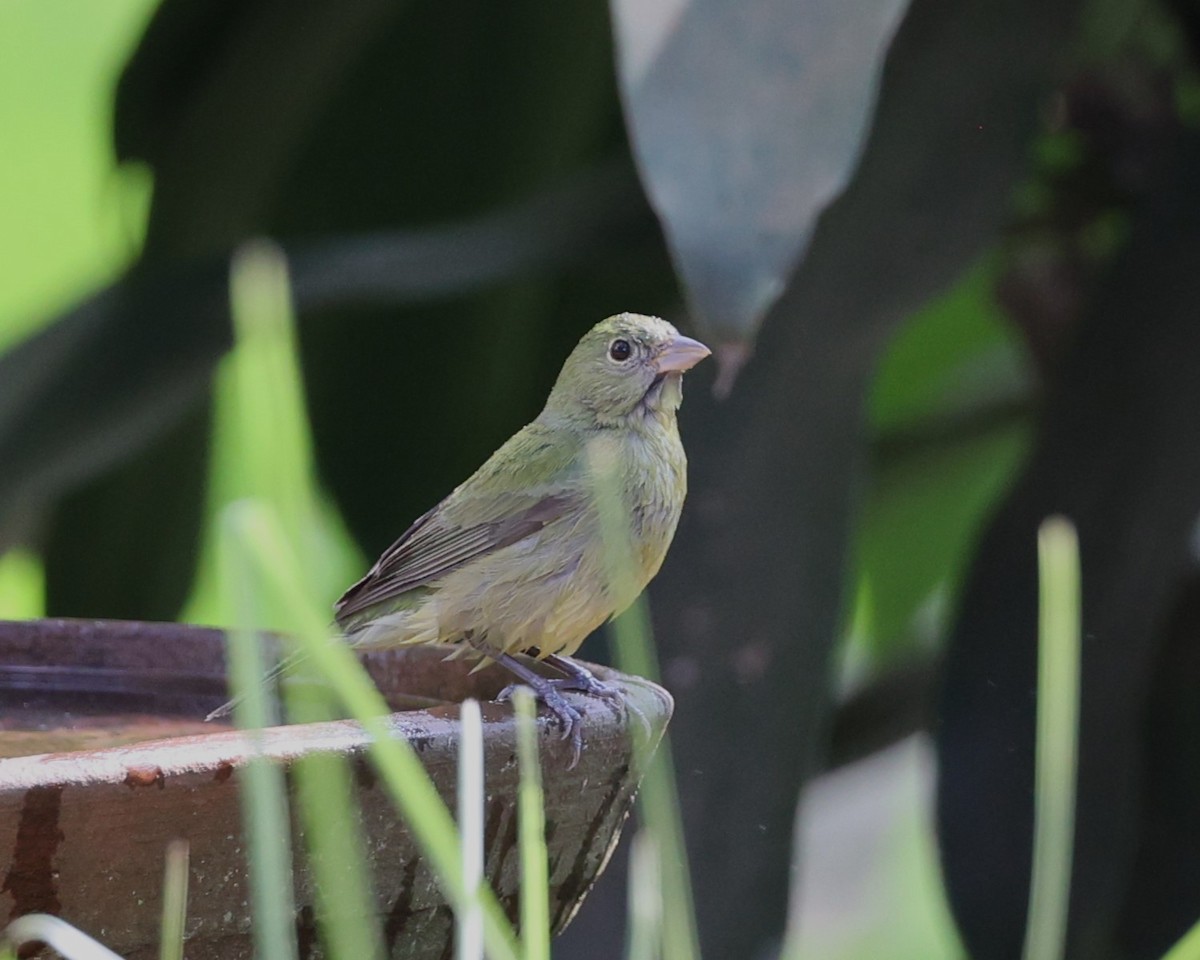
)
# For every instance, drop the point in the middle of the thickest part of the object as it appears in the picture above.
(469, 922)
(531, 832)
(644, 935)
(262, 792)
(401, 771)
(1057, 736)
(174, 901)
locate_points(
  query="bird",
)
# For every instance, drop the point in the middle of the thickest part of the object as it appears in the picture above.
(519, 558)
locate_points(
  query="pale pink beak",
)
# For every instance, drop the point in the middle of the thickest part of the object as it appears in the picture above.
(680, 354)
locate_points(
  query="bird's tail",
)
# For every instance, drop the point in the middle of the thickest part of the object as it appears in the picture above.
(269, 677)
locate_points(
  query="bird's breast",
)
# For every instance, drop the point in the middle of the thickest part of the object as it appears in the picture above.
(656, 485)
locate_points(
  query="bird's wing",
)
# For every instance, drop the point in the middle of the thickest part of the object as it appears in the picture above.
(485, 514)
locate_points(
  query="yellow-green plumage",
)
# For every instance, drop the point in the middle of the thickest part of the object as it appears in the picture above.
(515, 558)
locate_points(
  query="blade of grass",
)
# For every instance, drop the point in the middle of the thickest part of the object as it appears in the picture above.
(72, 943)
(399, 768)
(174, 901)
(658, 799)
(531, 832)
(633, 644)
(1057, 730)
(1188, 948)
(345, 905)
(469, 929)
(273, 446)
(22, 586)
(271, 449)
(262, 793)
(644, 934)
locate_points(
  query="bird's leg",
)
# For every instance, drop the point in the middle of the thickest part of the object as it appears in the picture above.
(581, 678)
(546, 691)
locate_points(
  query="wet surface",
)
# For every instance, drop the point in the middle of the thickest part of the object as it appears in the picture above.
(63, 708)
(40, 730)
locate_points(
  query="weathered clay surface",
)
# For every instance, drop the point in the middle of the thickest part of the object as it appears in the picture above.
(84, 823)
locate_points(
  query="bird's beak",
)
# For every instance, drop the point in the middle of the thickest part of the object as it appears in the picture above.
(680, 354)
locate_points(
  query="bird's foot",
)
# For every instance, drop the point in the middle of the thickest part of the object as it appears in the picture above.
(581, 679)
(546, 691)
(578, 679)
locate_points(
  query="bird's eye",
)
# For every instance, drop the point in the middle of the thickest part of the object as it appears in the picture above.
(620, 350)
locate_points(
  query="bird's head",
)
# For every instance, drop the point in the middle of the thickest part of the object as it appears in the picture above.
(625, 366)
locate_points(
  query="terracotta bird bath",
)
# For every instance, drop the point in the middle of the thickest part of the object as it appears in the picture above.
(104, 760)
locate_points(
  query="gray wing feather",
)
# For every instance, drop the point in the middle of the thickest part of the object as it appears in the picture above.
(432, 547)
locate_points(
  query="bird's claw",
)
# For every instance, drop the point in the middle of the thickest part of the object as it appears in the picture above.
(582, 679)
(590, 685)
(570, 719)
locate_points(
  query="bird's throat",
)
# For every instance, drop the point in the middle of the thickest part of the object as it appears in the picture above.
(664, 394)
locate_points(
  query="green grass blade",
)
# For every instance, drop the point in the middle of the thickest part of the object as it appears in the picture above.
(469, 929)
(1057, 731)
(22, 586)
(174, 901)
(345, 905)
(273, 444)
(67, 940)
(644, 934)
(262, 792)
(1188, 948)
(399, 768)
(531, 832)
(659, 809)
(269, 450)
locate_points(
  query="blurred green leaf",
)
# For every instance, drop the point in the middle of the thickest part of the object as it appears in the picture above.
(1188, 947)
(920, 520)
(71, 220)
(950, 406)
(21, 586)
(956, 355)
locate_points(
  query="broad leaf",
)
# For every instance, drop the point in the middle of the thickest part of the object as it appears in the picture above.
(747, 120)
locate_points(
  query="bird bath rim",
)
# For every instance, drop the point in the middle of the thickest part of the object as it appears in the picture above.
(84, 829)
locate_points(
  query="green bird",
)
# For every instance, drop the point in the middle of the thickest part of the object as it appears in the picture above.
(515, 559)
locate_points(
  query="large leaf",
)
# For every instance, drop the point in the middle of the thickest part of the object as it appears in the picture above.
(1118, 453)
(949, 406)
(69, 219)
(748, 605)
(747, 121)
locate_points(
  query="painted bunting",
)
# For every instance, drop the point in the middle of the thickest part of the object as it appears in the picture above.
(515, 559)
